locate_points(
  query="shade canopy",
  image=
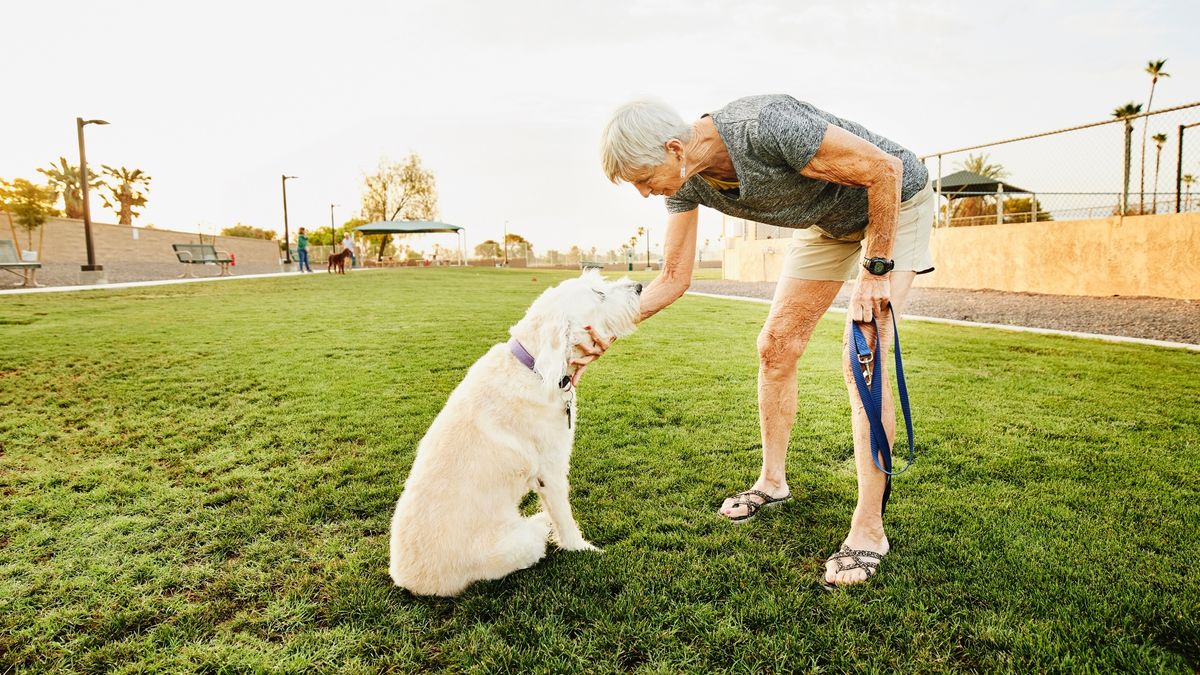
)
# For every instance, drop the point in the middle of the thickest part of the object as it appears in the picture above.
(406, 227)
(969, 182)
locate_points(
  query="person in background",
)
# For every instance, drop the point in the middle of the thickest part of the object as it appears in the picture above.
(348, 244)
(302, 250)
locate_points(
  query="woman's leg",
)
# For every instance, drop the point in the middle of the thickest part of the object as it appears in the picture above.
(798, 305)
(866, 526)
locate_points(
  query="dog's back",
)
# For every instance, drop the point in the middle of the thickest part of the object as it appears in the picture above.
(338, 260)
(457, 520)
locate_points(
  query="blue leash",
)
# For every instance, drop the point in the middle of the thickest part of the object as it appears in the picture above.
(871, 393)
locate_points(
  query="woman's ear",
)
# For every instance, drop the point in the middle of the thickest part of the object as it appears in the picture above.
(553, 348)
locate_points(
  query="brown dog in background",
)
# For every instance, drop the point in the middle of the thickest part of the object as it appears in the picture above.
(339, 261)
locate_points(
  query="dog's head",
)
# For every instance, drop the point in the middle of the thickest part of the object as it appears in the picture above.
(558, 320)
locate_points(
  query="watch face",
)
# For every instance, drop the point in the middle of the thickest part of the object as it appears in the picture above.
(878, 267)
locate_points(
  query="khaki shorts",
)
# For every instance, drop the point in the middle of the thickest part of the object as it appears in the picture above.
(816, 256)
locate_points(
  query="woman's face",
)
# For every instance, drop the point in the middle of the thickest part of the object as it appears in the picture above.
(663, 179)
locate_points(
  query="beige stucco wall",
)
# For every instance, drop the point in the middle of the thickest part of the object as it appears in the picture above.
(1138, 255)
(754, 259)
(64, 242)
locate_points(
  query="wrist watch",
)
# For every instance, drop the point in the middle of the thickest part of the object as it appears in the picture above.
(878, 266)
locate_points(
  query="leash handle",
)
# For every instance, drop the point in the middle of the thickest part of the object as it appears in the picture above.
(872, 396)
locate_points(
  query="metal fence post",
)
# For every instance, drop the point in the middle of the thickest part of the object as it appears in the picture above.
(1128, 159)
(938, 192)
(1179, 169)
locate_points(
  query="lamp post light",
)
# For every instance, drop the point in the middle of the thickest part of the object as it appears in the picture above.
(287, 247)
(91, 265)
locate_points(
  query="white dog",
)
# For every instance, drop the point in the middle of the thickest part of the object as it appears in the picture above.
(506, 429)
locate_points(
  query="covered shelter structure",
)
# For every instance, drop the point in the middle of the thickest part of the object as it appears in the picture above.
(967, 184)
(415, 227)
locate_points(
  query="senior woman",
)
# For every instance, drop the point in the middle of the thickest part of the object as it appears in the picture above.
(862, 210)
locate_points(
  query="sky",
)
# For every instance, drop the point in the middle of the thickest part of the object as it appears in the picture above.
(505, 102)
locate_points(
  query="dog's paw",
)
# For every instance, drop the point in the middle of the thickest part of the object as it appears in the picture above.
(581, 545)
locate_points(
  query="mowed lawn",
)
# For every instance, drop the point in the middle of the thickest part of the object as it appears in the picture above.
(200, 478)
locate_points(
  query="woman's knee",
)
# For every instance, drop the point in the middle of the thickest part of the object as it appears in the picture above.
(778, 353)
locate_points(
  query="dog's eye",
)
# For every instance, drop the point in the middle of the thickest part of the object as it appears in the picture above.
(599, 293)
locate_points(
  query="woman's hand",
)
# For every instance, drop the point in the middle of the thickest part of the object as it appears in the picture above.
(590, 353)
(869, 298)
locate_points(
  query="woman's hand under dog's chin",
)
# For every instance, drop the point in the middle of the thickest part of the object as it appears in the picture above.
(591, 352)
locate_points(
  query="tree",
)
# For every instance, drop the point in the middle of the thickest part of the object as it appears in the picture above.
(399, 189)
(1155, 70)
(1159, 141)
(978, 205)
(127, 189)
(979, 164)
(1125, 112)
(488, 249)
(243, 230)
(574, 256)
(1188, 181)
(517, 245)
(28, 205)
(64, 178)
(1018, 210)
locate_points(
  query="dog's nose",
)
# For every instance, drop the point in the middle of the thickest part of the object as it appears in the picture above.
(637, 288)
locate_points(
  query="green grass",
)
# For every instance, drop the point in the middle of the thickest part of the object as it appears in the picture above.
(200, 478)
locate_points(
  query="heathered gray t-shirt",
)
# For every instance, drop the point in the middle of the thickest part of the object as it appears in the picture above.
(770, 138)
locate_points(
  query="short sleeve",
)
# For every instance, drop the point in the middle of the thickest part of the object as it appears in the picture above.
(791, 133)
(677, 204)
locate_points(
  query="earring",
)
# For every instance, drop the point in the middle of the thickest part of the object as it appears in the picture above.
(682, 170)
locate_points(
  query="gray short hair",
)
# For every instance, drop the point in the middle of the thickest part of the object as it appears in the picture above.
(634, 137)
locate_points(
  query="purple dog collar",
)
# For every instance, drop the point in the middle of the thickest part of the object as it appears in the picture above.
(518, 350)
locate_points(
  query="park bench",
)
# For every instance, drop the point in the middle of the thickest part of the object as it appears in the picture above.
(10, 261)
(202, 254)
(586, 265)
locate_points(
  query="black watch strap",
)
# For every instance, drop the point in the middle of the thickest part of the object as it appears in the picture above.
(878, 266)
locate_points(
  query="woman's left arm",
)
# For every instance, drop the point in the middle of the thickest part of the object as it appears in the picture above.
(846, 159)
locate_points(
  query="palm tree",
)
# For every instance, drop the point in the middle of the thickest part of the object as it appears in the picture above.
(974, 207)
(1125, 112)
(1188, 180)
(1159, 140)
(979, 164)
(64, 178)
(125, 192)
(1154, 68)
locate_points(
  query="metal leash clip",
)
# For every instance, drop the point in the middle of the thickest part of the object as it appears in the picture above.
(865, 361)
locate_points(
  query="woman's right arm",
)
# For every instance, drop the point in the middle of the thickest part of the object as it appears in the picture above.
(679, 250)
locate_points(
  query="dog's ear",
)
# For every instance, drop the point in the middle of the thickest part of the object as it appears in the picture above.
(553, 348)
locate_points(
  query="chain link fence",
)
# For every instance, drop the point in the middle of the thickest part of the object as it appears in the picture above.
(1090, 171)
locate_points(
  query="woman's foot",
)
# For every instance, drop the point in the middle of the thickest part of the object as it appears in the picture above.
(859, 557)
(743, 506)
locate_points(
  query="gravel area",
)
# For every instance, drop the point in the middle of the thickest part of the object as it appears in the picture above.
(1151, 318)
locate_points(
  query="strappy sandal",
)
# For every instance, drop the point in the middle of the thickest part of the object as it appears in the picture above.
(752, 506)
(871, 566)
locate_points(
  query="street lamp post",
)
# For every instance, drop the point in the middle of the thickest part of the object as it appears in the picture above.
(91, 265)
(287, 248)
